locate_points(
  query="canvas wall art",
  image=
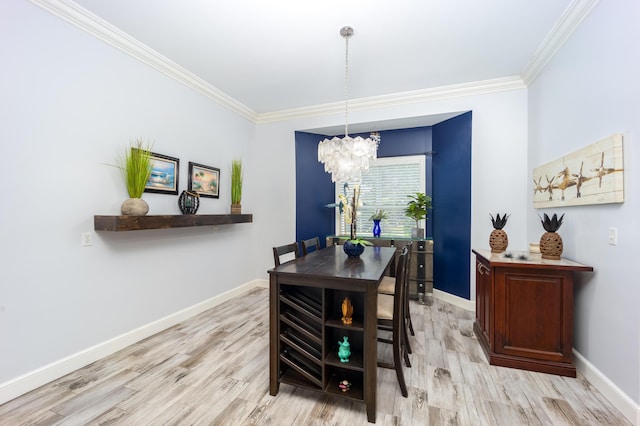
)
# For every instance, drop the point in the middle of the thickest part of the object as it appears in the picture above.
(591, 175)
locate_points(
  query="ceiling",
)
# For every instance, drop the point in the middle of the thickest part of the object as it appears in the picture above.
(288, 54)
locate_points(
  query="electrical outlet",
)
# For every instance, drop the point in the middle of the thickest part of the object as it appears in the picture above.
(613, 236)
(86, 239)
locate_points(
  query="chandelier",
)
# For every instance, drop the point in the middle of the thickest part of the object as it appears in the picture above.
(345, 158)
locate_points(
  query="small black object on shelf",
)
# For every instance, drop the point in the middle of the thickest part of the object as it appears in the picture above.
(189, 202)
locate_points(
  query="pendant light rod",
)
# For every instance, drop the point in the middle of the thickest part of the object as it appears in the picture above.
(346, 33)
(345, 158)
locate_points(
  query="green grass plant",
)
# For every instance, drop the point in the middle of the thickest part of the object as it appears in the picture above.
(236, 181)
(135, 165)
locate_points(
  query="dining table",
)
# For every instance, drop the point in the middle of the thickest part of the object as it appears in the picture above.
(307, 299)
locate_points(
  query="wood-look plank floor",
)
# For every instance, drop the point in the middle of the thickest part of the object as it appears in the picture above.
(213, 370)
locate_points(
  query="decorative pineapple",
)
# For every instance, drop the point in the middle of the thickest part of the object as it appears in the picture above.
(551, 242)
(498, 240)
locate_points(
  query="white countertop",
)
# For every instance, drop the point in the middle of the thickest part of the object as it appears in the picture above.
(522, 258)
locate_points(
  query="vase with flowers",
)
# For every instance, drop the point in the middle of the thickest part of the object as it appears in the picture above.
(353, 246)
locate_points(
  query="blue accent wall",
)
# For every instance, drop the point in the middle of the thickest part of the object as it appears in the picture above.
(413, 141)
(452, 205)
(314, 189)
(448, 181)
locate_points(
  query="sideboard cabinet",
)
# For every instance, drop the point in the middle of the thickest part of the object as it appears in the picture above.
(420, 263)
(524, 311)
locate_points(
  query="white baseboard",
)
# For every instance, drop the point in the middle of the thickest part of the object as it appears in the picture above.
(43, 375)
(469, 305)
(608, 389)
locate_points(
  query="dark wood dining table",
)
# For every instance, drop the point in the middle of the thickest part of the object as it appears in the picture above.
(304, 312)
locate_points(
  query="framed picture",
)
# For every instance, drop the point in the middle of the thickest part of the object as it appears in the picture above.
(204, 180)
(164, 174)
(591, 175)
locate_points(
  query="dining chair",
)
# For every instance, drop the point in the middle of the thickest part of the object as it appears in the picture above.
(311, 243)
(391, 317)
(387, 286)
(280, 251)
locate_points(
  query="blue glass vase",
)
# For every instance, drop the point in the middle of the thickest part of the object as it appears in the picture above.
(376, 228)
(352, 250)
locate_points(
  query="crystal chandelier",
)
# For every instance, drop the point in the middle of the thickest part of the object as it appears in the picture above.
(346, 158)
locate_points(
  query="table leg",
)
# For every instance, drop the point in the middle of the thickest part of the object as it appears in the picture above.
(274, 341)
(371, 352)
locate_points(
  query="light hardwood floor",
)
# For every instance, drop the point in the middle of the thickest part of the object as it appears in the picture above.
(213, 370)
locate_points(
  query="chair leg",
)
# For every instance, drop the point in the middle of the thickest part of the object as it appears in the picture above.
(397, 362)
(413, 333)
(405, 339)
(408, 317)
(407, 321)
(406, 348)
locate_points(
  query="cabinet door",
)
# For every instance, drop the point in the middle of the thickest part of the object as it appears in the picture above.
(483, 299)
(534, 314)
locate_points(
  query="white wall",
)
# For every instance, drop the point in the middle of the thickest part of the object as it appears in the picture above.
(69, 105)
(591, 90)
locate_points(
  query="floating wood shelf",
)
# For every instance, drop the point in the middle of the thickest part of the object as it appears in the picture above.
(136, 223)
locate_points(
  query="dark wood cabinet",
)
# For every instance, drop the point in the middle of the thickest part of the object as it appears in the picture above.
(524, 311)
(420, 263)
(421, 269)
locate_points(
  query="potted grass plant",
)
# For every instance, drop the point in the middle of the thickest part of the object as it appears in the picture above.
(135, 165)
(236, 186)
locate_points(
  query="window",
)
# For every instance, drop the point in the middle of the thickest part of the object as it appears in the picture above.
(385, 186)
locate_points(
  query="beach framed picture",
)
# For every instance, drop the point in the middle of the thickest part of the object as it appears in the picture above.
(205, 180)
(591, 175)
(164, 174)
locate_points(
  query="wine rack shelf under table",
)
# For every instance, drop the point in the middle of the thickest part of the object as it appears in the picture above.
(305, 312)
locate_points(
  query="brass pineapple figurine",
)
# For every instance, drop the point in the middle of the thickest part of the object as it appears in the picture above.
(551, 242)
(498, 240)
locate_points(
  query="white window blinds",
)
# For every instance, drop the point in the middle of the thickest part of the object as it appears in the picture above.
(385, 186)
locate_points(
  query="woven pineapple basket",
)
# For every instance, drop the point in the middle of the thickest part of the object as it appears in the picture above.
(551, 245)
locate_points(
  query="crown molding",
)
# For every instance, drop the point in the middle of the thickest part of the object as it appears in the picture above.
(396, 99)
(73, 13)
(98, 27)
(572, 17)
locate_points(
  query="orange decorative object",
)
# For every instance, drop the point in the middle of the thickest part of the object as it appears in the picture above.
(347, 311)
